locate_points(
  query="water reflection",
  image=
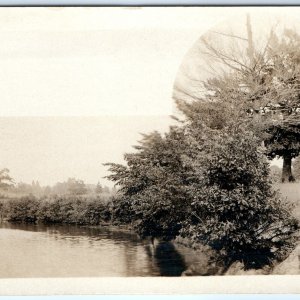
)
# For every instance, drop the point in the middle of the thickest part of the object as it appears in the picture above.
(30, 250)
(64, 231)
(169, 261)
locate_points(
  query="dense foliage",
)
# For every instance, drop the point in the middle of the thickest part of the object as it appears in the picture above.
(153, 192)
(207, 181)
(283, 73)
(259, 81)
(67, 210)
(234, 209)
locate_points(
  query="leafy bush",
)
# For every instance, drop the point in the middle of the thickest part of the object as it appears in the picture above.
(122, 210)
(234, 209)
(24, 209)
(68, 210)
(153, 185)
(95, 212)
(50, 211)
(211, 185)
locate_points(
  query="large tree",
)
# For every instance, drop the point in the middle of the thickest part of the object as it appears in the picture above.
(208, 178)
(208, 181)
(153, 182)
(258, 82)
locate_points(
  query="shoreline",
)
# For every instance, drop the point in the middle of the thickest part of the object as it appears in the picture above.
(207, 262)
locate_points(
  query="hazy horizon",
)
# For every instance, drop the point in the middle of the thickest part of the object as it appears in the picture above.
(52, 149)
(116, 64)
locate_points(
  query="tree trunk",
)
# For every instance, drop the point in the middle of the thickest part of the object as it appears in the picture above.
(287, 169)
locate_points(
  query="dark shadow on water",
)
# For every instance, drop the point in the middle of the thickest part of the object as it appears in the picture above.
(65, 230)
(163, 258)
(169, 261)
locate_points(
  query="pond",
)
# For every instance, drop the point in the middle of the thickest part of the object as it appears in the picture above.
(29, 250)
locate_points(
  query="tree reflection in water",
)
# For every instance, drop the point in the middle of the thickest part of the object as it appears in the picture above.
(99, 251)
(169, 261)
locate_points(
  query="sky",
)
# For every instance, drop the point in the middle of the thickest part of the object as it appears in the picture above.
(79, 85)
(52, 149)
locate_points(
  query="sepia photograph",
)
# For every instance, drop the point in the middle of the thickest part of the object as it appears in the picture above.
(149, 142)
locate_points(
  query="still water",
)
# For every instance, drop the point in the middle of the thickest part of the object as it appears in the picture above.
(72, 251)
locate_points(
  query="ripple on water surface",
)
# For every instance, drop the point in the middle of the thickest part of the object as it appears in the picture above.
(73, 251)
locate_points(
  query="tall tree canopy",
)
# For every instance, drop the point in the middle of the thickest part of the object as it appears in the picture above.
(259, 82)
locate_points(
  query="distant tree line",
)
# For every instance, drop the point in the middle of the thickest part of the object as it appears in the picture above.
(72, 186)
(69, 202)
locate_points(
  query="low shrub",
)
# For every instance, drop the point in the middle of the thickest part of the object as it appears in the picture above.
(67, 210)
(23, 209)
